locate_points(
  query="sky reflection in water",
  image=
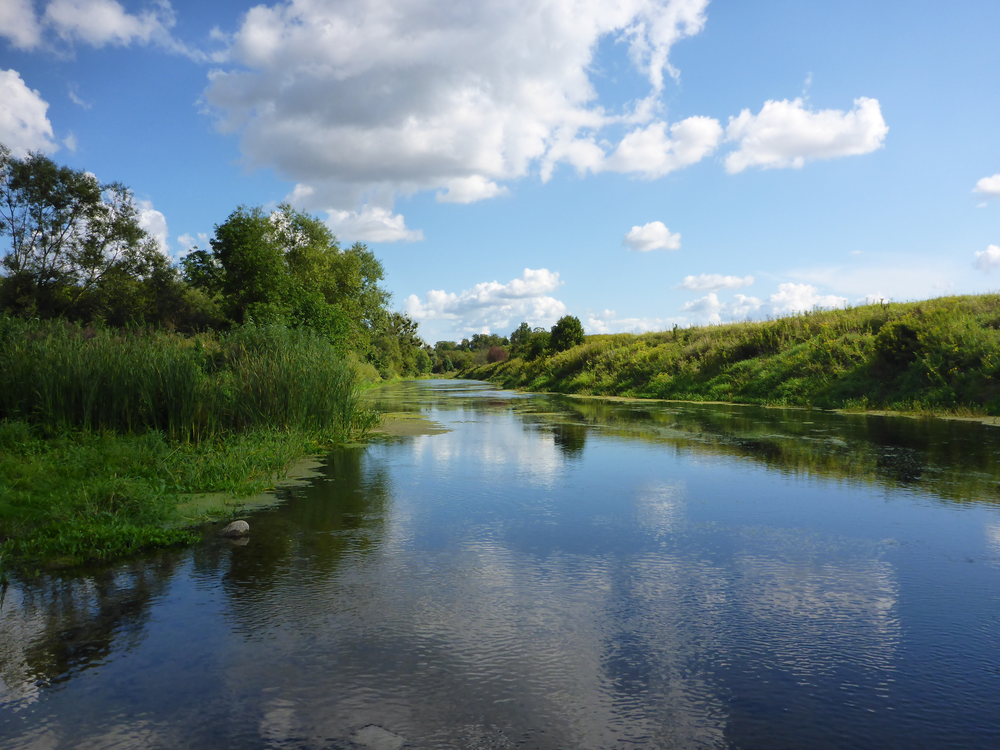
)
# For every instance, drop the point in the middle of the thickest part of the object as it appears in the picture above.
(554, 573)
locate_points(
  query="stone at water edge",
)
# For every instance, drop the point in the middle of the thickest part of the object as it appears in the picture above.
(376, 738)
(236, 529)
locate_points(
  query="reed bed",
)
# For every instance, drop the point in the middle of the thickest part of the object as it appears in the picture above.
(62, 376)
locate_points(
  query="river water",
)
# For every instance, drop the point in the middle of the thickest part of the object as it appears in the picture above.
(545, 572)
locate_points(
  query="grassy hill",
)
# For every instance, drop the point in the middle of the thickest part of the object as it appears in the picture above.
(939, 355)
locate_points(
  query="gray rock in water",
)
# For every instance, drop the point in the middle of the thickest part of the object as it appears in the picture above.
(377, 738)
(236, 529)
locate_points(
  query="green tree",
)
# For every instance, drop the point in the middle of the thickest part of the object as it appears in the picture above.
(566, 333)
(288, 267)
(70, 235)
(538, 344)
(519, 340)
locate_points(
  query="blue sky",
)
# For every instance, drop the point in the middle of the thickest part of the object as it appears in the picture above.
(638, 164)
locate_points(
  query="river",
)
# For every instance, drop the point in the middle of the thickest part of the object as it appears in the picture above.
(547, 572)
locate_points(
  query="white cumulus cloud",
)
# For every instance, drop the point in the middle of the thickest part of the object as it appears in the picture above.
(93, 22)
(713, 282)
(101, 22)
(371, 224)
(989, 186)
(491, 306)
(787, 134)
(470, 190)
(651, 236)
(24, 124)
(19, 24)
(650, 153)
(708, 308)
(155, 224)
(609, 322)
(742, 306)
(793, 298)
(988, 259)
(364, 96)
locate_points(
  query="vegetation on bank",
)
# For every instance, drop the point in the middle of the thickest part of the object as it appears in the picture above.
(129, 381)
(76, 251)
(104, 432)
(487, 348)
(937, 355)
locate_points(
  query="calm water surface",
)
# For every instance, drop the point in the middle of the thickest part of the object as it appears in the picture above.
(553, 573)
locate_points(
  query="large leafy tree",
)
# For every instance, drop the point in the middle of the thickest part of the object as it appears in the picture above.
(566, 333)
(286, 266)
(71, 238)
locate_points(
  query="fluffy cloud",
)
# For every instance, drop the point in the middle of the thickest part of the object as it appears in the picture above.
(786, 134)
(646, 152)
(155, 224)
(19, 25)
(989, 186)
(470, 190)
(988, 259)
(652, 236)
(101, 22)
(713, 282)
(792, 298)
(24, 125)
(373, 224)
(492, 306)
(94, 22)
(609, 322)
(360, 96)
(708, 308)
(742, 306)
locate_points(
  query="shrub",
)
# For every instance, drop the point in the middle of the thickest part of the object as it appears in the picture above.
(496, 354)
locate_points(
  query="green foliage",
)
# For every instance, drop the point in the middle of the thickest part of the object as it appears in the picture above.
(74, 497)
(938, 354)
(76, 250)
(566, 333)
(64, 376)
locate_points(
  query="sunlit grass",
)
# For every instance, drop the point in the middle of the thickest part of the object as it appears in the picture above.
(940, 355)
(103, 432)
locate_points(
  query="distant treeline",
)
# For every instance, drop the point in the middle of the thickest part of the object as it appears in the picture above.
(936, 355)
(525, 343)
(76, 251)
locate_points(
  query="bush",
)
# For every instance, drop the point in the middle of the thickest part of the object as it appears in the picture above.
(496, 354)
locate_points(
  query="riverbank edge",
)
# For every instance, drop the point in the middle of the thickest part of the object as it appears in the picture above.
(991, 421)
(931, 414)
(185, 516)
(194, 515)
(936, 357)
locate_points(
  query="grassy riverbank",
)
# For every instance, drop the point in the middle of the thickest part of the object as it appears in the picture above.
(935, 356)
(104, 433)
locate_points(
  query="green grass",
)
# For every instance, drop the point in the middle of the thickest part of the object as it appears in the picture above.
(62, 376)
(83, 497)
(103, 433)
(935, 356)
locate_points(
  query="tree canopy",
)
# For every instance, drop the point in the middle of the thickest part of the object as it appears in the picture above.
(75, 244)
(76, 249)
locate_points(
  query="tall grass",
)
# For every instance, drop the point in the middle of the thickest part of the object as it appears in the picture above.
(63, 376)
(940, 355)
(104, 432)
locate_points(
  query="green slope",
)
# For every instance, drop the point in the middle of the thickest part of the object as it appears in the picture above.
(940, 355)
